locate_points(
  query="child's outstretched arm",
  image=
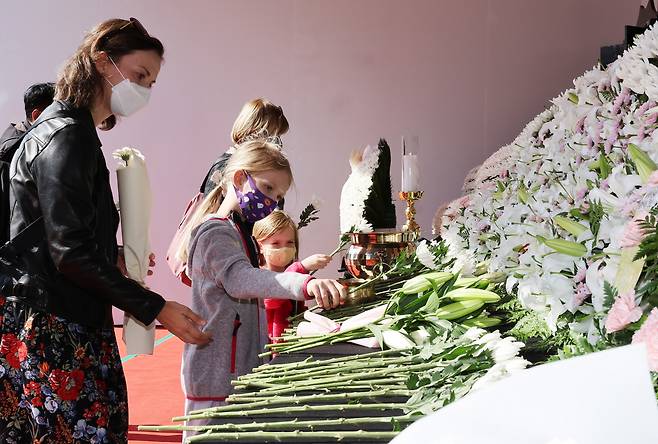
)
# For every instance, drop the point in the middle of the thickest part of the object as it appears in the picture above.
(217, 254)
(316, 262)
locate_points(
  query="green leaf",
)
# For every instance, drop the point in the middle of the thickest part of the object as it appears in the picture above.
(596, 214)
(308, 215)
(643, 163)
(604, 167)
(433, 303)
(610, 294)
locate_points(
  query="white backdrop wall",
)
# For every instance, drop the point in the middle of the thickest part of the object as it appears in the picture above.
(465, 76)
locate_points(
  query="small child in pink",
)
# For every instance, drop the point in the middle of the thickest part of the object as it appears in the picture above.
(279, 245)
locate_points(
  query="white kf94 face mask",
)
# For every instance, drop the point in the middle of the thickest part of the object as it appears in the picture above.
(279, 257)
(127, 97)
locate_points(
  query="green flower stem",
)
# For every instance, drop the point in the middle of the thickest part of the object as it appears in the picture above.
(344, 240)
(243, 400)
(322, 372)
(352, 385)
(368, 375)
(305, 373)
(293, 342)
(290, 400)
(294, 435)
(347, 311)
(369, 384)
(359, 334)
(325, 340)
(381, 276)
(282, 383)
(321, 339)
(283, 425)
(330, 369)
(310, 362)
(313, 341)
(294, 409)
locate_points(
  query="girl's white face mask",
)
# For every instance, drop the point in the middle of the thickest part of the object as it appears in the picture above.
(127, 97)
(279, 257)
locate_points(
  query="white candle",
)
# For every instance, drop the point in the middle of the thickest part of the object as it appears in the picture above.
(410, 173)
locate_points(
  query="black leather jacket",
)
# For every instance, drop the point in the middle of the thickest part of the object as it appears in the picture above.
(59, 172)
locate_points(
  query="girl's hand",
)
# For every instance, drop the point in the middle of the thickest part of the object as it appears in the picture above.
(328, 293)
(316, 262)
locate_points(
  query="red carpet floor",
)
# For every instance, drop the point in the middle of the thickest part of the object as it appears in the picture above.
(154, 392)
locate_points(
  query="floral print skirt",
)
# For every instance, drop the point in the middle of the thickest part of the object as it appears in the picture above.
(60, 382)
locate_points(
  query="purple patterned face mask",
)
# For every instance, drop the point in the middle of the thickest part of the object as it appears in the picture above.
(255, 205)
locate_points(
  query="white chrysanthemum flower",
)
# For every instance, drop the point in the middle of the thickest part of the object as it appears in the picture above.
(126, 153)
(506, 349)
(474, 333)
(500, 371)
(425, 256)
(356, 190)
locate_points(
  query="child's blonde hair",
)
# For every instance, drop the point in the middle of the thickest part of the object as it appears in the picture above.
(255, 156)
(278, 220)
(259, 118)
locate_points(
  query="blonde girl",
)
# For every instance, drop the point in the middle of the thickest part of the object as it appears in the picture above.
(278, 241)
(228, 288)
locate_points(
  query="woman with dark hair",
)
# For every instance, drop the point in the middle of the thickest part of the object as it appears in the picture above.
(61, 378)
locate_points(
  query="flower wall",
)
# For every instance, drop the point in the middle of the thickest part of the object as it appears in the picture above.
(561, 210)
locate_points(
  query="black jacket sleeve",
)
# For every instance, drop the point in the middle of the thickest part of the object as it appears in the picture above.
(65, 175)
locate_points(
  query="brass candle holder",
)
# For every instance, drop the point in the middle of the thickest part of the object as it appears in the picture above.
(410, 197)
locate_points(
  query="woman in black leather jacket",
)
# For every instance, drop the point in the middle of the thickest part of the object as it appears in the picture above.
(61, 378)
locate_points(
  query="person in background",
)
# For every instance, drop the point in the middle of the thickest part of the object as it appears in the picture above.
(61, 378)
(36, 98)
(258, 119)
(278, 242)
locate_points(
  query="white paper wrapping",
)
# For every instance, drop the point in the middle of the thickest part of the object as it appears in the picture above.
(599, 398)
(135, 209)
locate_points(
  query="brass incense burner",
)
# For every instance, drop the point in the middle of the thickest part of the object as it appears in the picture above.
(357, 292)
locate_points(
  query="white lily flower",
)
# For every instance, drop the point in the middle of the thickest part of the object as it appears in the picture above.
(420, 336)
(396, 340)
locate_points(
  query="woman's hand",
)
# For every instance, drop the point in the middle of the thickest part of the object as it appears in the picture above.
(151, 264)
(328, 293)
(183, 323)
(316, 262)
(121, 262)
